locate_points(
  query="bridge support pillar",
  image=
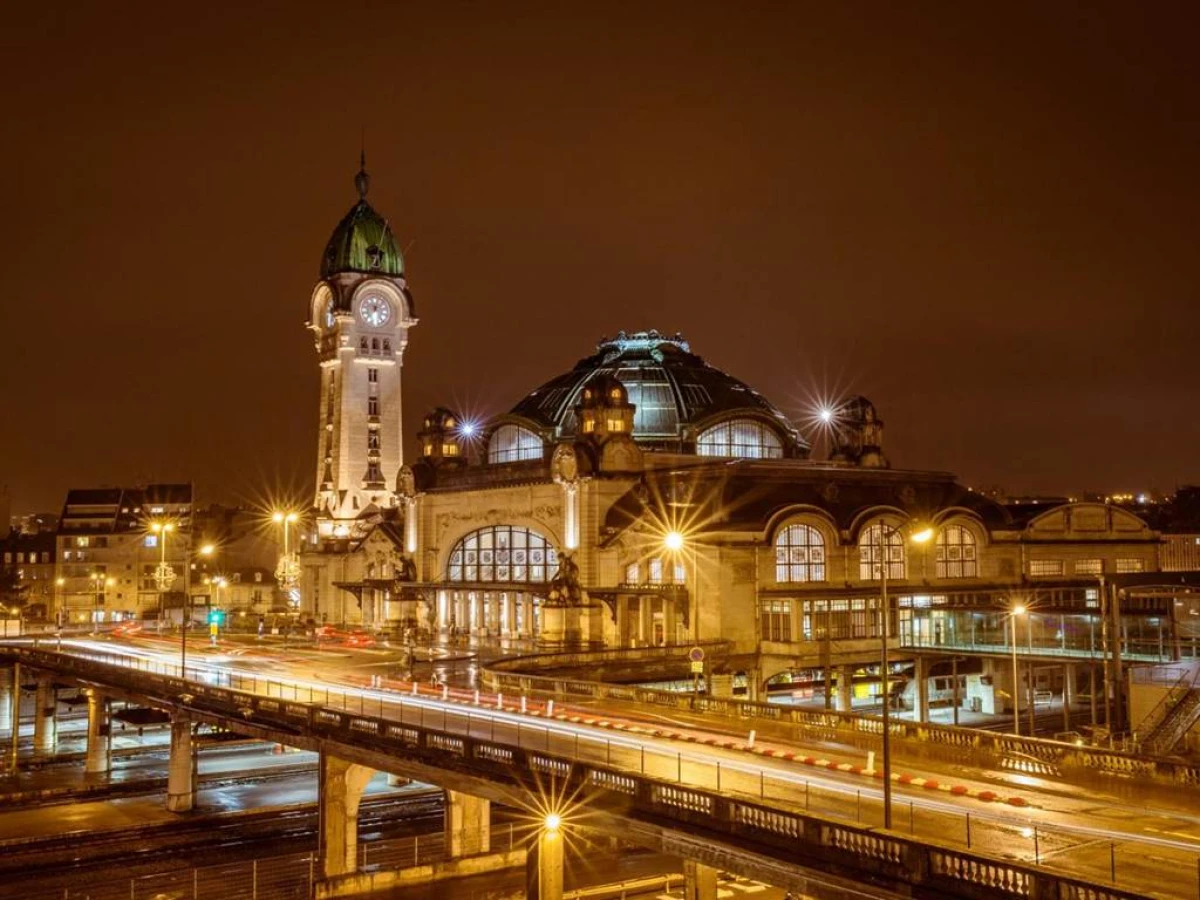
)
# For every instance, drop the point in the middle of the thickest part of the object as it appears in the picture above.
(342, 785)
(99, 738)
(7, 690)
(699, 881)
(181, 769)
(468, 825)
(921, 694)
(845, 688)
(544, 866)
(45, 719)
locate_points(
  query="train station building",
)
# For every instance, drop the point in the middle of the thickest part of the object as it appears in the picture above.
(648, 497)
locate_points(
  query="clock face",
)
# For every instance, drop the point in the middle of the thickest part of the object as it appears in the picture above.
(374, 310)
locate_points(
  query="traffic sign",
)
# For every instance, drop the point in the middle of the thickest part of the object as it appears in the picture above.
(696, 654)
(697, 667)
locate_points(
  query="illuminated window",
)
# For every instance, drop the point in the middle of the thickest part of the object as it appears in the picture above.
(656, 571)
(616, 425)
(1126, 566)
(1089, 566)
(874, 544)
(81, 541)
(743, 438)
(428, 449)
(615, 393)
(799, 554)
(589, 426)
(775, 620)
(150, 540)
(503, 553)
(633, 573)
(449, 449)
(512, 443)
(955, 553)
(1045, 567)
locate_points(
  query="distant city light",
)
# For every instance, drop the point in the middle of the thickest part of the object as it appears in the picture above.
(826, 415)
(467, 429)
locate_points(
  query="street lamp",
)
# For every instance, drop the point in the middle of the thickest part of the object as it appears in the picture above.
(100, 586)
(675, 541)
(164, 575)
(1017, 610)
(883, 534)
(287, 572)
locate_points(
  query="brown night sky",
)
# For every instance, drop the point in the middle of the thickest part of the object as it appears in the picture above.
(983, 219)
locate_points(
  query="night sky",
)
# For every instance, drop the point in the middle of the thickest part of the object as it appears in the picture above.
(982, 216)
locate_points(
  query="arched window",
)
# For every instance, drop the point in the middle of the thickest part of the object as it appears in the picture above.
(956, 553)
(799, 554)
(874, 540)
(743, 438)
(503, 553)
(512, 443)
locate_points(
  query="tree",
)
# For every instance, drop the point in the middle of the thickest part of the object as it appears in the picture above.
(12, 588)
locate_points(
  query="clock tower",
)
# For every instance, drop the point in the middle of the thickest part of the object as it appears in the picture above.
(359, 316)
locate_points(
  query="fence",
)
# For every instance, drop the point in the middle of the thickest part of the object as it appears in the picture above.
(287, 877)
(820, 725)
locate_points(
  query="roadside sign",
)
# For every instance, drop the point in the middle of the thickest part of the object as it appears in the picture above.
(697, 667)
(696, 655)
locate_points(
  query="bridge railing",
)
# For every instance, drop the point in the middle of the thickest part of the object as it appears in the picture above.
(734, 803)
(563, 659)
(856, 729)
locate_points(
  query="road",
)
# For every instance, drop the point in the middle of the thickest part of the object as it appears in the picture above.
(1066, 829)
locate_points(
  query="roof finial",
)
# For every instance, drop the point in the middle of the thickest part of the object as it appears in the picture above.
(362, 181)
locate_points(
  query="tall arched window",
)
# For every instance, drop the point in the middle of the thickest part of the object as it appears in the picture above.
(956, 553)
(799, 554)
(874, 544)
(503, 553)
(512, 443)
(744, 438)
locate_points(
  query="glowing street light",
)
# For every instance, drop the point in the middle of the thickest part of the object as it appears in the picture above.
(826, 415)
(920, 536)
(1018, 610)
(100, 585)
(552, 822)
(673, 541)
(164, 574)
(287, 572)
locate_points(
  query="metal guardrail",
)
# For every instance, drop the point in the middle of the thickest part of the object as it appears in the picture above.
(568, 658)
(821, 725)
(727, 818)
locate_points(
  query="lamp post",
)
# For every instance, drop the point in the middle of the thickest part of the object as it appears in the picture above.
(287, 572)
(674, 542)
(1017, 610)
(100, 586)
(164, 575)
(920, 537)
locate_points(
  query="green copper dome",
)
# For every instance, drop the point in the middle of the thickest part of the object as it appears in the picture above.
(363, 240)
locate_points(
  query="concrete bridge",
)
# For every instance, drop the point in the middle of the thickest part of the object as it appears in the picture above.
(481, 750)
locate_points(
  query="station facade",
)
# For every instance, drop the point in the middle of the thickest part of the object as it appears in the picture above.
(647, 497)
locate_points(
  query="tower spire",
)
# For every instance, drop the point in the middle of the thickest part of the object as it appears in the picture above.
(362, 181)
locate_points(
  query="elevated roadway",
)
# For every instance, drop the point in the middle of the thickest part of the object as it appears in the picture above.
(730, 807)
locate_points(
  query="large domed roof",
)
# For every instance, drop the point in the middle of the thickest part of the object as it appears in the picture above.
(671, 387)
(363, 240)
